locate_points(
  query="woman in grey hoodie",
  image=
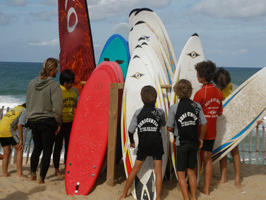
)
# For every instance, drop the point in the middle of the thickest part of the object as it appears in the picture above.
(44, 112)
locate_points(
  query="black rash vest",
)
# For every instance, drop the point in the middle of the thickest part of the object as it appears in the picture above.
(187, 120)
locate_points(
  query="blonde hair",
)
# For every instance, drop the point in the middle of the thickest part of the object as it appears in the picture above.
(48, 65)
(183, 88)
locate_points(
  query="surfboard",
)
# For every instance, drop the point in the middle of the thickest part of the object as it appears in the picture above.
(121, 29)
(116, 49)
(191, 54)
(76, 45)
(153, 20)
(140, 73)
(141, 32)
(241, 111)
(89, 134)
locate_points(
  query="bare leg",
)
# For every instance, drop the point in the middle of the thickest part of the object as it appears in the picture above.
(236, 157)
(131, 177)
(223, 167)
(208, 172)
(158, 178)
(192, 183)
(7, 152)
(183, 184)
(19, 160)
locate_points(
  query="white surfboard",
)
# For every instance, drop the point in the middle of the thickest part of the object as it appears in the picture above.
(140, 33)
(155, 23)
(140, 73)
(242, 109)
(191, 54)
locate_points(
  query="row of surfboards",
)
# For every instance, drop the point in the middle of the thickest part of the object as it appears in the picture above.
(147, 59)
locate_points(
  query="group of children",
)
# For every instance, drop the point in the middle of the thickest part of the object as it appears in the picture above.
(193, 123)
(48, 112)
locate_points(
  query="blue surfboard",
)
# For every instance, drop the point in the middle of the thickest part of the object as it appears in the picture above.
(116, 49)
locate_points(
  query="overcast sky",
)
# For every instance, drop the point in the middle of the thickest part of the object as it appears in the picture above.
(233, 32)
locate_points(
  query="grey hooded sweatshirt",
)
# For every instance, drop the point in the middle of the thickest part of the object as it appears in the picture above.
(44, 99)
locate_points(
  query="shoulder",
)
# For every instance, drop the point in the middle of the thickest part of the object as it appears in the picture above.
(174, 106)
(198, 94)
(137, 111)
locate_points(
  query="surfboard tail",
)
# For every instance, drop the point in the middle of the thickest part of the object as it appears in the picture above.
(76, 45)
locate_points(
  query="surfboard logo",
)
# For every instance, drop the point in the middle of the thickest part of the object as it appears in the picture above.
(144, 37)
(193, 54)
(137, 75)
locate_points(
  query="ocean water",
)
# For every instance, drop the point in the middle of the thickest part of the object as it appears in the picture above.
(15, 77)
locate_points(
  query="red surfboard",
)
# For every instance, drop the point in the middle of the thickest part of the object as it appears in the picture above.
(75, 40)
(89, 134)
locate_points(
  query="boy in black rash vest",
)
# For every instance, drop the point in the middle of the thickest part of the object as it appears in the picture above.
(148, 120)
(183, 120)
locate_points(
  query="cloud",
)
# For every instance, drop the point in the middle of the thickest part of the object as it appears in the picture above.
(4, 19)
(51, 2)
(50, 43)
(240, 52)
(102, 9)
(232, 8)
(45, 15)
(16, 2)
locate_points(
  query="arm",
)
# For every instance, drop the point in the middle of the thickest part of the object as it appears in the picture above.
(57, 101)
(203, 128)
(131, 129)
(20, 135)
(202, 134)
(131, 139)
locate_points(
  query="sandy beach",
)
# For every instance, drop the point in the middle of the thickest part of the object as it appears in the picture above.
(253, 186)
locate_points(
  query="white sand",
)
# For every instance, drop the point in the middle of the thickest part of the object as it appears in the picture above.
(253, 186)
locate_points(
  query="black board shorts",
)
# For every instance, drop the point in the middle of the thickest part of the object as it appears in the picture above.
(142, 156)
(186, 157)
(208, 145)
(7, 141)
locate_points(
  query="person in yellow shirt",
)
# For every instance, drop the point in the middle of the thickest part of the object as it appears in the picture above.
(222, 79)
(14, 119)
(70, 98)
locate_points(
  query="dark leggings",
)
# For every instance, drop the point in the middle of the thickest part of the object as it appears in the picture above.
(43, 132)
(63, 134)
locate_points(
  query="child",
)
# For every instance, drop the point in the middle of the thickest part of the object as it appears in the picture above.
(150, 140)
(183, 119)
(222, 80)
(12, 120)
(210, 99)
(70, 98)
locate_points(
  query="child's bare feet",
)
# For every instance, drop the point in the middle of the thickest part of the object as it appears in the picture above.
(58, 174)
(223, 180)
(22, 176)
(33, 177)
(238, 184)
(6, 174)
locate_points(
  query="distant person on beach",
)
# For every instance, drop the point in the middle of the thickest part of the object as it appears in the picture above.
(222, 79)
(13, 120)
(183, 120)
(44, 113)
(70, 98)
(210, 99)
(148, 120)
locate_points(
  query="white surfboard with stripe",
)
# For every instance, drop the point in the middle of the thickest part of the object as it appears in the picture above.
(242, 109)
